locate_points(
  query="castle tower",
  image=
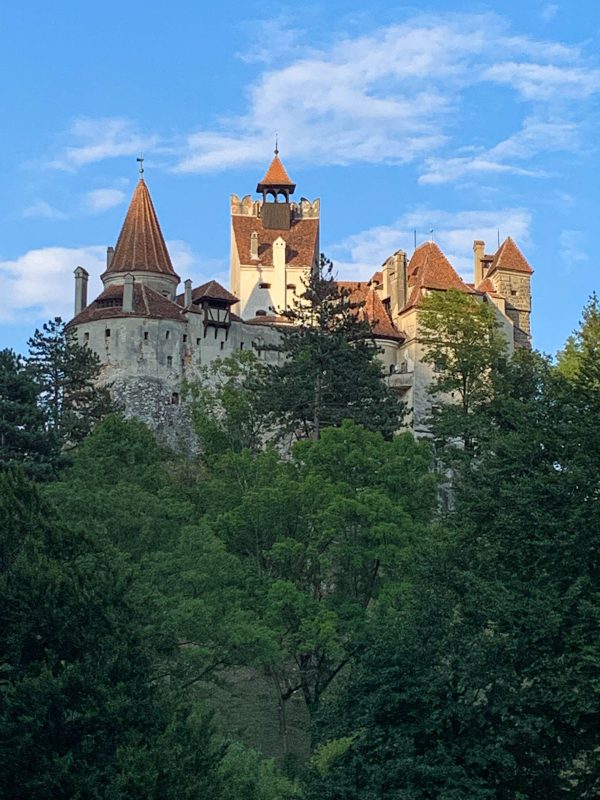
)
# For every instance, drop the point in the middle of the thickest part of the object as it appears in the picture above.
(510, 274)
(141, 250)
(274, 243)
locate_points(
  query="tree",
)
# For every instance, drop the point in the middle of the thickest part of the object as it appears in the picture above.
(324, 537)
(330, 372)
(465, 346)
(83, 712)
(67, 374)
(24, 439)
(484, 684)
(584, 343)
(225, 410)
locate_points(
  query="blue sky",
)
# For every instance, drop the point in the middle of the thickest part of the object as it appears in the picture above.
(462, 117)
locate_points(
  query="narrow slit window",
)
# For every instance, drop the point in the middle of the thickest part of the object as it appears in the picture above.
(167, 334)
(169, 361)
(145, 336)
(107, 333)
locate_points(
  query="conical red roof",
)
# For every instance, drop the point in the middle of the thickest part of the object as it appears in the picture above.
(276, 176)
(509, 257)
(141, 246)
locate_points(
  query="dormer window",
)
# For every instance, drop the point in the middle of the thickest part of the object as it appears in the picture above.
(261, 312)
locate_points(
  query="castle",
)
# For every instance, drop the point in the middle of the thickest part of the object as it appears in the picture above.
(151, 337)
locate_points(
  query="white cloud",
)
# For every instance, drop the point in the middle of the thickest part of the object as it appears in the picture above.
(39, 284)
(358, 256)
(395, 96)
(41, 209)
(99, 139)
(572, 247)
(549, 11)
(535, 137)
(100, 200)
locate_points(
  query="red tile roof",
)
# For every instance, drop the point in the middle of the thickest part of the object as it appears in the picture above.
(146, 303)
(268, 319)
(488, 287)
(429, 268)
(211, 290)
(509, 257)
(302, 241)
(276, 176)
(372, 309)
(141, 245)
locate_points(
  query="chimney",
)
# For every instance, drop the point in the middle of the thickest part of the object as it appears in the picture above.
(128, 292)
(187, 297)
(395, 281)
(254, 246)
(110, 251)
(81, 284)
(478, 250)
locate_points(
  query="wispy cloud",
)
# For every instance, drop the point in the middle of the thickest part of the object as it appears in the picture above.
(535, 137)
(100, 200)
(359, 255)
(41, 209)
(572, 247)
(549, 11)
(393, 95)
(99, 139)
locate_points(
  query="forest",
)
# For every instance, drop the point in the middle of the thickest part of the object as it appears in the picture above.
(317, 606)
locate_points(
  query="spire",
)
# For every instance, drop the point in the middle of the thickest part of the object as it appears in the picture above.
(276, 178)
(141, 246)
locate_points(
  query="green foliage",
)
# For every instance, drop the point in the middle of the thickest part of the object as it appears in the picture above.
(66, 373)
(322, 537)
(246, 775)
(82, 713)
(484, 682)
(463, 343)
(24, 439)
(225, 410)
(331, 371)
(583, 347)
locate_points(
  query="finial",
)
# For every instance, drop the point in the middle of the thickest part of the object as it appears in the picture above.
(141, 163)
(431, 234)
(276, 146)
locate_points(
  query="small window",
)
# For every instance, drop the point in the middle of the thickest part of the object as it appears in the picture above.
(261, 313)
(86, 337)
(513, 292)
(241, 345)
(167, 334)
(291, 286)
(222, 345)
(107, 333)
(198, 341)
(169, 361)
(145, 336)
(185, 337)
(175, 399)
(264, 285)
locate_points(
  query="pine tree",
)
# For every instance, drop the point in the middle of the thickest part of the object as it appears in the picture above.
(24, 439)
(331, 371)
(66, 373)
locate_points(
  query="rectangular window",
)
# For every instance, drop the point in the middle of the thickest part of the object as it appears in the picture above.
(198, 341)
(222, 345)
(86, 337)
(241, 345)
(169, 361)
(264, 285)
(167, 334)
(145, 336)
(185, 337)
(107, 333)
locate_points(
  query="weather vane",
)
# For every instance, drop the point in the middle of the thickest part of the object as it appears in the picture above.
(141, 163)
(276, 145)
